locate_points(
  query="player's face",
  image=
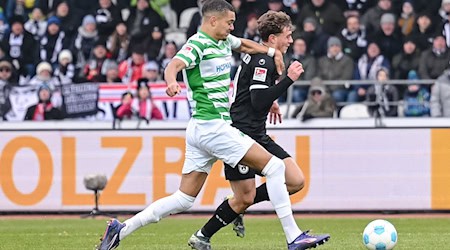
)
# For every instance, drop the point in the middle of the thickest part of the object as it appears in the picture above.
(224, 24)
(284, 39)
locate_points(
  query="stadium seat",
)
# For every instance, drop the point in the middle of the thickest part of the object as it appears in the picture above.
(186, 17)
(356, 110)
(178, 37)
(171, 18)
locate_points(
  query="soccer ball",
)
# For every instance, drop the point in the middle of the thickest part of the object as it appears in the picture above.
(380, 234)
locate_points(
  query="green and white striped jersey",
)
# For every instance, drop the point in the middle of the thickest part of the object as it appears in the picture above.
(207, 74)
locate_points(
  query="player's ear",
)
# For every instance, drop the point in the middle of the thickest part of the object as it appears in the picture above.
(272, 39)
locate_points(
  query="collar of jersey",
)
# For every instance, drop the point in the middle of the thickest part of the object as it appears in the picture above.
(208, 36)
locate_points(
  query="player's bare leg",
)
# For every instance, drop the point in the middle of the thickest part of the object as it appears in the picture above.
(180, 201)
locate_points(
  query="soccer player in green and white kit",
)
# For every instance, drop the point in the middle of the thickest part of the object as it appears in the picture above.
(205, 61)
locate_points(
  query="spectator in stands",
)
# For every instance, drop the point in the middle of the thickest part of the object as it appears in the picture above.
(435, 60)
(44, 109)
(353, 38)
(251, 32)
(151, 72)
(118, 43)
(440, 96)
(319, 103)
(416, 98)
(316, 40)
(84, 41)
(336, 66)
(326, 13)
(444, 11)
(65, 70)
(4, 26)
(69, 22)
(144, 105)
(388, 37)
(44, 76)
(20, 47)
(112, 73)
(406, 61)
(170, 49)
(299, 53)
(366, 69)
(145, 26)
(20, 8)
(95, 68)
(371, 19)
(5, 87)
(36, 25)
(48, 7)
(83, 7)
(354, 7)
(124, 110)
(424, 32)
(381, 96)
(446, 30)
(131, 69)
(107, 17)
(407, 18)
(53, 42)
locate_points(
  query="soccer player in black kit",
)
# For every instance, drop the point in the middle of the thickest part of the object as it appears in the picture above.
(256, 92)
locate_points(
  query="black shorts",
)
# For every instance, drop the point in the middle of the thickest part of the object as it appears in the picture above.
(242, 172)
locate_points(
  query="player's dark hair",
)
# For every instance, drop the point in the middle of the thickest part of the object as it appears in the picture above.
(210, 6)
(273, 22)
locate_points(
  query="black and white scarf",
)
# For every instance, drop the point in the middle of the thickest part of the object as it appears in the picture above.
(15, 43)
(56, 49)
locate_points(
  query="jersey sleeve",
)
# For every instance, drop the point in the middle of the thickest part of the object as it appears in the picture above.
(190, 54)
(234, 41)
(262, 72)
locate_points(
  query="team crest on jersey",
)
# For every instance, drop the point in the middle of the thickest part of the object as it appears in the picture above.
(262, 61)
(260, 74)
(242, 169)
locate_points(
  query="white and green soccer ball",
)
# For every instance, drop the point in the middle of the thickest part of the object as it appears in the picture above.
(380, 235)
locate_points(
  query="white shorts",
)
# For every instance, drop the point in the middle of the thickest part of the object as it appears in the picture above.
(210, 140)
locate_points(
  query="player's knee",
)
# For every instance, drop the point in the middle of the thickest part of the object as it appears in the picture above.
(274, 167)
(185, 201)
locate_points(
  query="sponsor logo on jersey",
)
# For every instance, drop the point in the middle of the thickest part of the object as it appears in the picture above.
(260, 74)
(246, 58)
(262, 61)
(223, 67)
(188, 48)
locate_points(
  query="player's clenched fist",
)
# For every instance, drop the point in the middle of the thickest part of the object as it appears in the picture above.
(173, 89)
(295, 70)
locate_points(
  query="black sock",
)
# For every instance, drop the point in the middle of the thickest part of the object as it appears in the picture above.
(223, 216)
(261, 194)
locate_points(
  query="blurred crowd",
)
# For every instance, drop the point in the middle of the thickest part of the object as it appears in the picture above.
(49, 43)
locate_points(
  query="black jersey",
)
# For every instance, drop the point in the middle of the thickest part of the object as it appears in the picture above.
(257, 72)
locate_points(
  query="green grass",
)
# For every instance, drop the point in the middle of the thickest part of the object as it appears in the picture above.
(172, 233)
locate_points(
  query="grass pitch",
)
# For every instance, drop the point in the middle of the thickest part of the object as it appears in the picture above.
(173, 233)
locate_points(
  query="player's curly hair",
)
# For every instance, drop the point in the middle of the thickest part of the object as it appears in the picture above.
(273, 22)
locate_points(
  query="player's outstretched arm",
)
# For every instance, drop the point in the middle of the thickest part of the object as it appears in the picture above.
(251, 47)
(170, 75)
(262, 99)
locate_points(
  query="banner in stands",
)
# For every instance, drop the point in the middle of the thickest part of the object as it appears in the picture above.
(92, 101)
(349, 169)
(80, 100)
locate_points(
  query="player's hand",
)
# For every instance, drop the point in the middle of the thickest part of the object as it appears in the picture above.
(295, 70)
(275, 113)
(173, 89)
(279, 62)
